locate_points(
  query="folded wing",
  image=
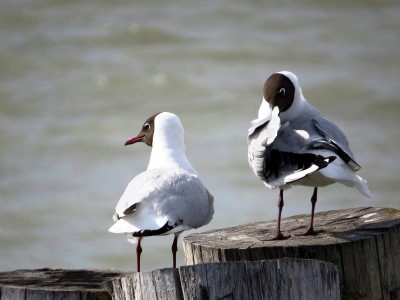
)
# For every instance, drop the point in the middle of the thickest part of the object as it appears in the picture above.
(163, 199)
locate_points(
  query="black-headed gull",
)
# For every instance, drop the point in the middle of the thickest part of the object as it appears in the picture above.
(169, 196)
(290, 143)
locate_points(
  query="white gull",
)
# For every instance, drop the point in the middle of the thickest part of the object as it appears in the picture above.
(169, 196)
(290, 143)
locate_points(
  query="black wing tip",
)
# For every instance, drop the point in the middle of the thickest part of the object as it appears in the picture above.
(319, 161)
(331, 158)
(130, 210)
(160, 231)
(354, 165)
(322, 162)
(331, 144)
(298, 162)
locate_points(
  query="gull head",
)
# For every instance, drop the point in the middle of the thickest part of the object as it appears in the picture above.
(161, 128)
(282, 90)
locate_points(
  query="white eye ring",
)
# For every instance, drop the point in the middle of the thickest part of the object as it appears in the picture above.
(282, 91)
(146, 126)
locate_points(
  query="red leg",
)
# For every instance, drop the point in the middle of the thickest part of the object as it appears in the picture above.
(138, 252)
(278, 235)
(174, 250)
(311, 230)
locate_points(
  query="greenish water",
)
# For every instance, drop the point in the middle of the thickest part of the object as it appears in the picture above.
(77, 78)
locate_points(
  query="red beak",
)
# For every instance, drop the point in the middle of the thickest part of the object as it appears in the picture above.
(133, 140)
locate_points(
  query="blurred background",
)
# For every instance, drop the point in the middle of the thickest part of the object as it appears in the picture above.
(77, 78)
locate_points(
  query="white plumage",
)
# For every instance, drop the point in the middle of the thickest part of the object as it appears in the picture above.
(169, 196)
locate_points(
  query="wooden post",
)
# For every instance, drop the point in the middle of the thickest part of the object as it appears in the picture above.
(55, 284)
(158, 284)
(364, 243)
(271, 279)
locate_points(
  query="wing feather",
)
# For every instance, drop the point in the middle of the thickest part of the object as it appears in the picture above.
(160, 196)
(335, 140)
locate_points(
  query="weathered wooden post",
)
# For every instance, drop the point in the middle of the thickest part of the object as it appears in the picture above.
(55, 284)
(158, 284)
(364, 243)
(271, 279)
(361, 247)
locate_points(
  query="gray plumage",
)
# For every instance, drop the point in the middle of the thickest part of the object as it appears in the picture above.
(163, 196)
(299, 140)
(290, 143)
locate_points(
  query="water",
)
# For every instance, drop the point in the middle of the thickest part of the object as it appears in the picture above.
(79, 78)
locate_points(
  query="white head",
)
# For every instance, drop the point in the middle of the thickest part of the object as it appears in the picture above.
(168, 131)
(161, 130)
(282, 89)
(164, 133)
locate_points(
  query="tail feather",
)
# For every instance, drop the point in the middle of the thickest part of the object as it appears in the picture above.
(342, 173)
(362, 186)
(122, 226)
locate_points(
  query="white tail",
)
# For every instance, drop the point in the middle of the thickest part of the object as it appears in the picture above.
(362, 186)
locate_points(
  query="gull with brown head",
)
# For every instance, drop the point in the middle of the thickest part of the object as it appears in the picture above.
(290, 144)
(169, 197)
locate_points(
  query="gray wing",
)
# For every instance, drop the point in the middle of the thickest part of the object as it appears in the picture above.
(186, 200)
(157, 201)
(335, 140)
(139, 189)
(282, 167)
(286, 159)
(257, 124)
(174, 193)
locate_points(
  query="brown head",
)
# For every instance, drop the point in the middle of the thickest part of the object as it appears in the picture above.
(146, 134)
(279, 91)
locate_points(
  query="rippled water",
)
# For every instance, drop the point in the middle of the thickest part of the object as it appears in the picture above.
(78, 78)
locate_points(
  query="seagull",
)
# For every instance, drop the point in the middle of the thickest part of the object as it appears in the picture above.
(290, 144)
(169, 196)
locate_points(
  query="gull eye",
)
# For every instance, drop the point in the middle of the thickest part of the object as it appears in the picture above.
(282, 91)
(146, 127)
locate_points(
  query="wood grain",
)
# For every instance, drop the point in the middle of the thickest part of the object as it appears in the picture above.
(364, 243)
(357, 256)
(56, 284)
(270, 279)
